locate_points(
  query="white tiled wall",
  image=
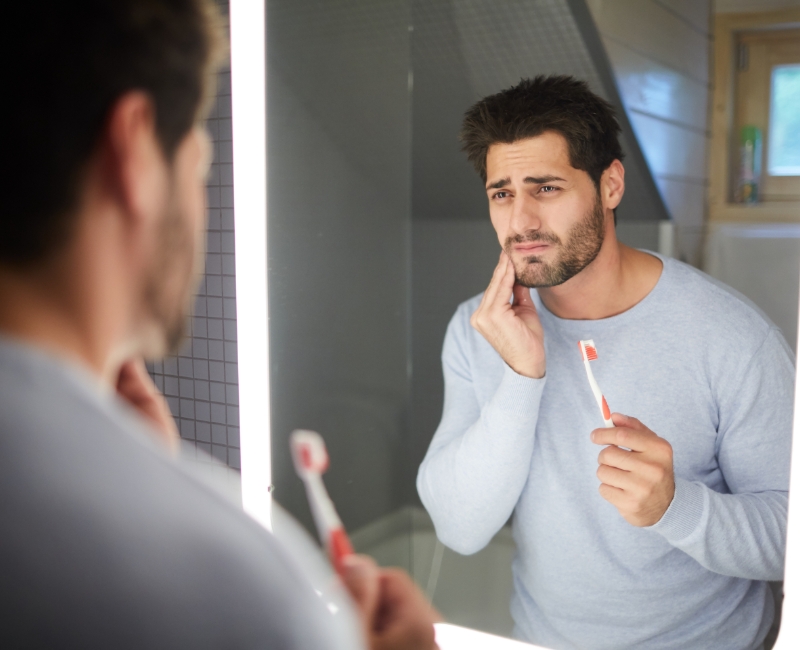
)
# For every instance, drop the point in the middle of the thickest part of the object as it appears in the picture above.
(201, 383)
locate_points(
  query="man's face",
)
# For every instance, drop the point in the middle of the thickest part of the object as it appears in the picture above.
(548, 215)
(179, 251)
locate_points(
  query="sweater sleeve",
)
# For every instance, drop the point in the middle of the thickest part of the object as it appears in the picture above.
(743, 533)
(479, 458)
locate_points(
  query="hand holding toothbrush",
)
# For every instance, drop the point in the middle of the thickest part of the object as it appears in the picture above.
(394, 612)
(513, 328)
(638, 480)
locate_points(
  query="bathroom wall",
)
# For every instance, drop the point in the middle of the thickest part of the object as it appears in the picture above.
(339, 245)
(201, 383)
(660, 52)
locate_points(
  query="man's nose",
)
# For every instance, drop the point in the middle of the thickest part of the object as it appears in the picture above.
(525, 214)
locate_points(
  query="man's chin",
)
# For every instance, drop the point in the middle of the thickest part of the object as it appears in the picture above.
(538, 275)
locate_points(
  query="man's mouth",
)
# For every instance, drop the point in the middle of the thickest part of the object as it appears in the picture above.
(531, 248)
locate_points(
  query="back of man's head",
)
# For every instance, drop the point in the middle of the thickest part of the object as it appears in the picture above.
(561, 104)
(67, 63)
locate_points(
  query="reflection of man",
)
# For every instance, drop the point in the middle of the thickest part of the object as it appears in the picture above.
(689, 521)
(107, 541)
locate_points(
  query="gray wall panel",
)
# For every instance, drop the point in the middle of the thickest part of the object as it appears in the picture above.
(453, 261)
(696, 13)
(338, 233)
(651, 28)
(653, 88)
(671, 149)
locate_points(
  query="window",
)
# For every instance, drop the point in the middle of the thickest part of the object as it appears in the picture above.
(784, 121)
(767, 92)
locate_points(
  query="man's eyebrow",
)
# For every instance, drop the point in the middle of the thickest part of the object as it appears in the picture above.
(539, 180)
(531, 180)
(498, 184)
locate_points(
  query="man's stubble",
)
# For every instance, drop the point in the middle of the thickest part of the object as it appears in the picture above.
(583, 243)
(173, 276)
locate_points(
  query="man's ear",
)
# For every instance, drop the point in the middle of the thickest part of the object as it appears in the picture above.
(612, 185)
(136, 165)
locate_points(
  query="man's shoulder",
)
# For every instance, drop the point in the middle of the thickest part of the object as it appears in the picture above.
(100, 517)
(466, 308)
(707, 301)
(459, 329)
(470, 305)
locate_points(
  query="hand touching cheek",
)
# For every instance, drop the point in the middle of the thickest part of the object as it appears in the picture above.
(507, 319)
(135, 386)
(638, 480)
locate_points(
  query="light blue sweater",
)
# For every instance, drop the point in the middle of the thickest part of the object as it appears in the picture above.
(699, 366)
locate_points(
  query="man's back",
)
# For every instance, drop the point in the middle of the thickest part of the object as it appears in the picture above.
(107, 542)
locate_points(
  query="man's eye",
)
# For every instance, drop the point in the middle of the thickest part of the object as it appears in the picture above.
(548, 189)
(500, 195)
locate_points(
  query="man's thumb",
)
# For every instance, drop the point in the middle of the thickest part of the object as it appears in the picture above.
(360, 576)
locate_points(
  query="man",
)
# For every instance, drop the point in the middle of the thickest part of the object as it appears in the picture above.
(667, 536)
(108, 541)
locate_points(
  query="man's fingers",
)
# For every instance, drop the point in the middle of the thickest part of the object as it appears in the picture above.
(614, 495)
(497, 276)
(522, 296)
(506, 286)
(135, 385)
(624, 437)
(361, 578)
(640, 482)
(133, 381)
(498, 271)
(622, 420)
(405, 618)
(500, 288)
(498, 293)
(616, 457)
(618, 478)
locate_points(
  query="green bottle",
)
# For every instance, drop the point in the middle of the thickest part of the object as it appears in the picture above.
(750, 165)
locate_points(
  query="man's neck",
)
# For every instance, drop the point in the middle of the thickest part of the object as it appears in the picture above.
(617, 279)
(58, 308)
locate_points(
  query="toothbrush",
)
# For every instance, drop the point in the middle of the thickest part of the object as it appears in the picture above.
(310, 461)
(588, 354)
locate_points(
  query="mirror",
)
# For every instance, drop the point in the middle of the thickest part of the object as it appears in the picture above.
(378, 228)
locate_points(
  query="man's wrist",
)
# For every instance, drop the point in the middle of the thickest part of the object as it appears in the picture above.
(685, 512)
(537, 372)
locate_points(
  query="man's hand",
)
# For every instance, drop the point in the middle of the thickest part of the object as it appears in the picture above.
(639, 482)
(136, 387)
(394, 612)
(513, 329)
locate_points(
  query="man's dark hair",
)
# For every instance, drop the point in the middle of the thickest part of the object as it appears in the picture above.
(67, 63)
(555, 103)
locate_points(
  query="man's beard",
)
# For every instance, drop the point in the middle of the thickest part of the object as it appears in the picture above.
(170, 282)
(583, 243)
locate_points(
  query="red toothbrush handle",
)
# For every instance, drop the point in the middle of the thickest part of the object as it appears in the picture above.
(606, 410)
(339, 547)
